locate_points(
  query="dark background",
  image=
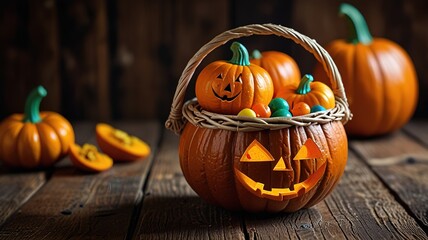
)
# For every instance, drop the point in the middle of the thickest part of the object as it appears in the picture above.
(121, 59)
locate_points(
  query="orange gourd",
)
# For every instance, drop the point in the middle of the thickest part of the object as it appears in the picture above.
(119, 145)
(227, 87)
(378, 76)
(34, 139)
(267, 171)
(88, 158)
(308, 91)
(281, 67)
(300, 108)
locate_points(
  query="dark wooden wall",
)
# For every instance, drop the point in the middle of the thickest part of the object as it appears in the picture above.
(102, 60)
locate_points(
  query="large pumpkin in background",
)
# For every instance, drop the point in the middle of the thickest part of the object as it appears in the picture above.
(378, 76)
(267, 171)
(227, 87)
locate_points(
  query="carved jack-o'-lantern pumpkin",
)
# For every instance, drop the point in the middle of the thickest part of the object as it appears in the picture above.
(229, 86)
(269, 171)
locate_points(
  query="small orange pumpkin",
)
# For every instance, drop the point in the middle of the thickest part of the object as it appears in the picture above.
(34, 139)
(281, 67)
(227, 87)
(378, 76)
(88, 158)
(119, 145)
(309, 92)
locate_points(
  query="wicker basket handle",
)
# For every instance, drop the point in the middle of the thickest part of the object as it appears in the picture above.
(176, 121)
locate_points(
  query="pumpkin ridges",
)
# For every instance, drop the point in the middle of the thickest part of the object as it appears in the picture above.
(406, 88)
(266, 95)
(196, 175)
(8, 141)
(50, 144)
(219, 169)
(62, 128)
(390, 98)
(319, 135)
(183, 150)
(337, 147)
(296, 142)
(28, 146)
(370, 92)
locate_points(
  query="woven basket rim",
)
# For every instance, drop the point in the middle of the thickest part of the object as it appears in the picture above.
(190, 111)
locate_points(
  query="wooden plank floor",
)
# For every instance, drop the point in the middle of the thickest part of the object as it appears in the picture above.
(383, 194)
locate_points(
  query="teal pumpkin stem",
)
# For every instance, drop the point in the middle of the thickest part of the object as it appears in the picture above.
(256, 54)
(32, 105)
(359, 30)
(240, 55)
(305, 85)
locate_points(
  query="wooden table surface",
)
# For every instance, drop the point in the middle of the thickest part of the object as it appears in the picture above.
(383, 194)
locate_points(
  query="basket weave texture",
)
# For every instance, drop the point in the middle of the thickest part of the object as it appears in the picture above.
(192, 112)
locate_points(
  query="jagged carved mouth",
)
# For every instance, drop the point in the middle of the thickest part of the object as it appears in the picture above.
(224, 97)
(281, 194)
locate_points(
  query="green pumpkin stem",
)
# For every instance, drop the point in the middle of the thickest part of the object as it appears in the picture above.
(256, 54)
(359, 31)
(305, 85)
(240, 55)
(32, 105)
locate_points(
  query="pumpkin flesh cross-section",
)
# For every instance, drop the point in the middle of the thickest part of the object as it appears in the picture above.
(256, 152)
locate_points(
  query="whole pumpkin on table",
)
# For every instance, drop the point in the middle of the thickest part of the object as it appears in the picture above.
(379, 79)
(34, 139)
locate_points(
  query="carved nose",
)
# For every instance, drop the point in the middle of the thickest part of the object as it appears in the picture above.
(280, 166)
(228, 88)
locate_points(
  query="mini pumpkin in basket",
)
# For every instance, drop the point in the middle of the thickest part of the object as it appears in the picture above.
(260, 164)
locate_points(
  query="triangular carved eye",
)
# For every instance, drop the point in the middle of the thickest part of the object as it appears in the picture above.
(238, 79)
(220, 76)
(255, 152)
(309, 150)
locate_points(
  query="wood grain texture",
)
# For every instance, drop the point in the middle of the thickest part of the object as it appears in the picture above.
(14, 85)
(84, 59)
(359, 208)
(44, 49)
(172, 210)
(17, 187)
(401, 163)
(150, 56)
(74, 204)
(418, 129)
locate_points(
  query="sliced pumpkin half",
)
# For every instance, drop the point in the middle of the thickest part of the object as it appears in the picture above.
(119, 145)
(88, 158)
